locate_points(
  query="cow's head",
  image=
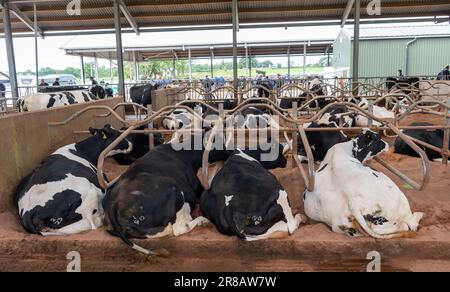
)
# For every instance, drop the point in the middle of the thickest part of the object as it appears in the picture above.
(107, 136)
(368, 145)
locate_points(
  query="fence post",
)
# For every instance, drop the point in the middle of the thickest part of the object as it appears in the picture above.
(151, 137)
(294, 135)
(446, 134)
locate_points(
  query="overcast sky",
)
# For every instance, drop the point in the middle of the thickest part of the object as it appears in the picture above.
(51, 54)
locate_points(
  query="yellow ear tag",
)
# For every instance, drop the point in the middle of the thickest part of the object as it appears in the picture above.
(104, 137)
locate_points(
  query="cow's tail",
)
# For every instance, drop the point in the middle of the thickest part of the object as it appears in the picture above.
(161, 252)
(122, 235)
(363, 224)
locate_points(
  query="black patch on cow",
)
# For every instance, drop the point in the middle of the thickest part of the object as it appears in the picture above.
(376, 175)
(86, 97)
(70, 97)
(253, 209)
(51, 102)
(323, 168)
(368, 144)
(323, 141)
(432, 137)
(153, 189)
(55, 214)
(375, 220)
(141, 146)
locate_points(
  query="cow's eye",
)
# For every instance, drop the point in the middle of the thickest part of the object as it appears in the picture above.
(369, 138)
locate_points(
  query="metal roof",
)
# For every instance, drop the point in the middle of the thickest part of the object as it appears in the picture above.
(207, 50)
(98, 14)
(396, 32)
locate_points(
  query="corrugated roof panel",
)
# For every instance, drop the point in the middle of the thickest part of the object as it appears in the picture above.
(404, 31)
(98, 14)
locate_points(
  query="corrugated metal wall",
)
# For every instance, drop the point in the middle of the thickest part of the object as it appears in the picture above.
(429, 56)
(380, 58)
(342, 48)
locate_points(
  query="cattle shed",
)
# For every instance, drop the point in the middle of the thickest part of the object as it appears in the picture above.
(32, 136)
(417, 50)
(211, 51)
(56, 17)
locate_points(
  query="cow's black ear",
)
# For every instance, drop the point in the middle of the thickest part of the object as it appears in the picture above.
(93, 131)
(104, 134)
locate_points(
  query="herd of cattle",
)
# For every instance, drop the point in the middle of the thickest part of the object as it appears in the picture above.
(157, 194)
(47, 100)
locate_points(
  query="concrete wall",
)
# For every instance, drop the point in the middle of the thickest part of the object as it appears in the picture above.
(25, 140)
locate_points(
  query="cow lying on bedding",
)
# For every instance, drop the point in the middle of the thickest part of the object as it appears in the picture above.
(155, 196)
(247, 201)
(353, 198)
(62, 195)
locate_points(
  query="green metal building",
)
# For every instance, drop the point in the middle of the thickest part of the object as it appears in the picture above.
(417, 50)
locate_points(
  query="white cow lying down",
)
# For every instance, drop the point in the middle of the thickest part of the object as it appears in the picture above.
(353, 198)
(38, 101)
(379, 112)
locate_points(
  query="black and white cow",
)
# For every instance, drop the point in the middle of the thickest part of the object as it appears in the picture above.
(320, 142)
(247, 201)
(379, 112)
(141, 146)
(183, 119)
(353, 198)
(101, 92)
(316, 89)
(337, 113)
(155, 196)
(38, 101)
(142, 94)
(62, 195)
(432, 137)
(254, 118)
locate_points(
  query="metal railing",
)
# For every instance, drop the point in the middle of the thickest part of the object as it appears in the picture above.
(294, 127)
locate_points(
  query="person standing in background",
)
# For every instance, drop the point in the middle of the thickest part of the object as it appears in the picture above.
(444, 74)
(94, 82)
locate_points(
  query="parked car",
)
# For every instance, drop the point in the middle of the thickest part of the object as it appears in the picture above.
(64, 79)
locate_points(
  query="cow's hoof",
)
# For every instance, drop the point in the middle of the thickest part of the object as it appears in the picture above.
(301, 218)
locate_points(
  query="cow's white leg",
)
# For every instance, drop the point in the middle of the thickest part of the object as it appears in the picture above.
(91, 203)
(184, 222)
(280, 229)
(183, 218)
(199, 221)
(78, 227)
(284, 203)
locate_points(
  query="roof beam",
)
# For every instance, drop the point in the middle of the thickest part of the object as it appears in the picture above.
(26, 20)
(129, 17)
(347, 11)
